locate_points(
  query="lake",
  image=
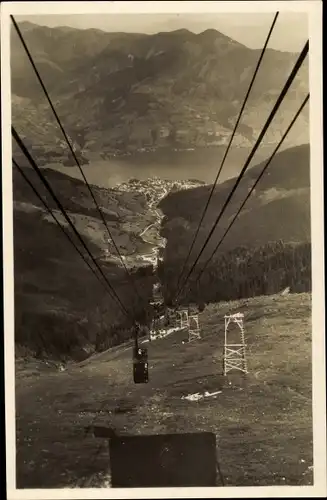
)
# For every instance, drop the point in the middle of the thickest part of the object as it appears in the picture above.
(201, 164)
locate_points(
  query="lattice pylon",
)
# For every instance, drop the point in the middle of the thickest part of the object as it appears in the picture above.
(183, 319)
(154, 328)
(173, 318)
(157, 293)
(235, 354)
(194, 332)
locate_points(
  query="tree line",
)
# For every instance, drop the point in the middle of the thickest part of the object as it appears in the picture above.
(243, 272)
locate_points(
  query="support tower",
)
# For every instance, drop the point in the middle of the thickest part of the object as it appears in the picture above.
(183, 318)
(194, 328)
(235, 353)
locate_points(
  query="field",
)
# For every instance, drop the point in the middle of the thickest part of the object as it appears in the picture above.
(262, 420)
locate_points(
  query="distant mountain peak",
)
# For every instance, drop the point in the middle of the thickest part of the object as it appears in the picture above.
(210, 32)
(128, 92)
(182, 31)
(211, 35)
(27, 25)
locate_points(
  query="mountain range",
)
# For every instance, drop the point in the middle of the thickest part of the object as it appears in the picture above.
(117, 93)
(120, 92)
(278, 209)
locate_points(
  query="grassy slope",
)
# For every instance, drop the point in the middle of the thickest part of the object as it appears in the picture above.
(262, 422)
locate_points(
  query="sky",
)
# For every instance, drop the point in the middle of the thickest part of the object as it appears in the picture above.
(290, 32)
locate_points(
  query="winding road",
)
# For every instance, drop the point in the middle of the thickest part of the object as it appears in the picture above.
(152, 256)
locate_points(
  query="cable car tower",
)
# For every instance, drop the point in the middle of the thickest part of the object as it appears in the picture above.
(194, 327)
(157, 304)
(140, 361)
(193, 324)
(235, 352)
(183, 318)
(189, 319)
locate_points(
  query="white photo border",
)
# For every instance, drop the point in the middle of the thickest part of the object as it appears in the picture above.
(314, 10)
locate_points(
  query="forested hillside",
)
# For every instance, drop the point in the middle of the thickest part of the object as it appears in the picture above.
(266, 249)
(61, 309)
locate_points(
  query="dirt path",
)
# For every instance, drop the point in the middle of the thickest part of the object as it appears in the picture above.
(152, 257)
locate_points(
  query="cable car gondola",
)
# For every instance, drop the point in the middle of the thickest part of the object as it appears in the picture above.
(140, 365)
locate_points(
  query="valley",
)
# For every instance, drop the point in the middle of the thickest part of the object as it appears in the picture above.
(153, 222)
(262, 422)
(149, 118)
(154, 190)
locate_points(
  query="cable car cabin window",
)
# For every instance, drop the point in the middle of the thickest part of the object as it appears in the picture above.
(140, 366)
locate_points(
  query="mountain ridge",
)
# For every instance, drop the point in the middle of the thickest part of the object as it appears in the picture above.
(51, 281)
(119, 93)
(278, 209)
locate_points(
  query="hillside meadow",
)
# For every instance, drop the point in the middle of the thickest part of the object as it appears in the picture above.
(262, 421)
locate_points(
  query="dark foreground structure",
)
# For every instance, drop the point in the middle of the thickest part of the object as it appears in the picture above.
(164, 460)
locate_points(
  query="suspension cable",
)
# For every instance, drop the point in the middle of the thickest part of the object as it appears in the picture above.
(281, 97)
(255, 184)
(66, 233)
(74, 155)
(228, 148)
(62, 209)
